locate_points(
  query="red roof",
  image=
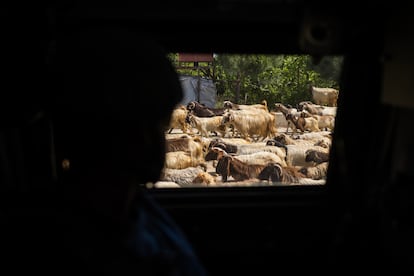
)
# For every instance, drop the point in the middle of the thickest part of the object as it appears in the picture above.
(195, 57)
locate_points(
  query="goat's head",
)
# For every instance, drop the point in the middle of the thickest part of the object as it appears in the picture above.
(191, 105)
(272, 172)
(278, 106)
(228, 104)
(228, 117)
(214, 142)
(219, 151)
(281, 138)
(304, 114)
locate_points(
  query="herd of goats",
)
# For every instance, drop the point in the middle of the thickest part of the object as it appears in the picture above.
(246, 145)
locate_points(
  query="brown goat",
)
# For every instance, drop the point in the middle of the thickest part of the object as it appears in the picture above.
(303, 122)
(316, 156)
(274, 172)
(230, 166)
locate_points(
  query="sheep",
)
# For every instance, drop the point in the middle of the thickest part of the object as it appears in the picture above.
(309, 107)
(282, 139)
(314, 135)
(316, 156)
(213, 153)
(317, 109)
(257, 147)
(296, 150)
(256, 124)
(259, 157)
(234, 106)
(296, 155)
(244, 149)
(303, 122)
(279, 107)
(316, 172)
(290, 175)
(204, 178)
(228, 147)
(325, 122)
(192, 145)
(318, 140)
(232, 140)
(324, 143)
(277, 119)
(324, 95)
(177, 120)
(239, 170)
(328, 110)
(275, 172)
(229, 166)
(206, 125)
(181, 176)
(182, 160)
(275, 143)
(321, 139)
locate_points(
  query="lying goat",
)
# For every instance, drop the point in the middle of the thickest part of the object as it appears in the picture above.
(274, 172)
(230, 166)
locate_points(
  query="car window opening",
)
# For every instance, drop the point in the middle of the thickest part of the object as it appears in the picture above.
(251, 120)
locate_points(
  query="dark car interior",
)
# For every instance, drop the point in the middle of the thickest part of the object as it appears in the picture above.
(360, 221)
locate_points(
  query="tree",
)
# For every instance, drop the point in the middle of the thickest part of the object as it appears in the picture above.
(249, 78)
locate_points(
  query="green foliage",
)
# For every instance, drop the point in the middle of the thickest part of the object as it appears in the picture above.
(249, 79)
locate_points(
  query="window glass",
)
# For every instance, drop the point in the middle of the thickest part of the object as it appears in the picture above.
(251, 120)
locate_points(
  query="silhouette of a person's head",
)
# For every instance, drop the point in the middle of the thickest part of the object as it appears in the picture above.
(110, 115)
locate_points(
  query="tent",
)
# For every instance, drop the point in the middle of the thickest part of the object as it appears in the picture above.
(198, 89)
